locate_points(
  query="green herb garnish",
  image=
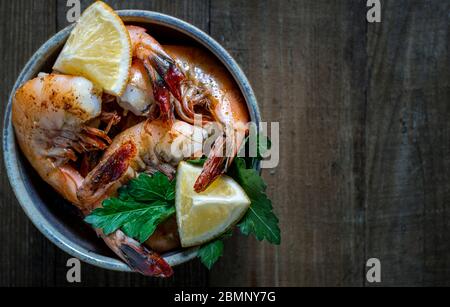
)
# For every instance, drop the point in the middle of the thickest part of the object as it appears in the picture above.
(147, 201)
(211, 252)
(260, 219)
(141, 206)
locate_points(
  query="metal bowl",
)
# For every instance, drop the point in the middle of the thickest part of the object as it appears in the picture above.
(51, 214)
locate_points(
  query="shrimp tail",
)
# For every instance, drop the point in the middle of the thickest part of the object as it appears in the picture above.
(213, 168)
(222, 155)
(161, 67)
(162, 96)
(169, 71)
(217, 163)
(136, 256)
(145, 261)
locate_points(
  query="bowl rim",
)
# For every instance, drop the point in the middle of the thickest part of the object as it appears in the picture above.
(10, 149)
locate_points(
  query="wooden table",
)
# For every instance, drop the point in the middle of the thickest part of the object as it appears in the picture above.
(365, 141)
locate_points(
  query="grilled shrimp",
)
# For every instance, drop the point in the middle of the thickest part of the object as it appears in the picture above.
(164, 75)
(185, 78)
(210, 86)
(188, 79)
(51, 116)
(150, 146)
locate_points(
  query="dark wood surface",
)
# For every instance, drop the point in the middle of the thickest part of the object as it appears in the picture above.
(365, 141)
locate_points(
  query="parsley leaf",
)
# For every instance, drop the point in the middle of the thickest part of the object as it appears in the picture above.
(211, 252)
(260, 219)
(141, 206)
(147, 188)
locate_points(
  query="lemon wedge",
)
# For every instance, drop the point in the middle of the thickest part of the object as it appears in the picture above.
(99, 49)
(205, 216)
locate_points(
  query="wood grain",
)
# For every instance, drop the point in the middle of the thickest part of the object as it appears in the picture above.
(363, 111)
(193, 11)
(407, 137)
(307, 68)
(26, 253)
